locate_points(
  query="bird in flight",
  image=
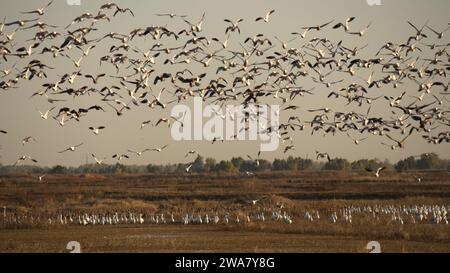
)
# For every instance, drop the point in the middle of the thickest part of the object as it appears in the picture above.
(377, 172)
(159, 149)
(25, 158)
(418, 179)
(139, 153)
(171, 15)
(41, 178)
(144, 123)
(45, 115)
(97, 161)
(265, 18)
(71, 149)
(188, 168)
(191, 153)
(323, 155)
(96, 130)
(28, 140)
(39, 11)
(356, 141)
(344, 25)
(120, 156)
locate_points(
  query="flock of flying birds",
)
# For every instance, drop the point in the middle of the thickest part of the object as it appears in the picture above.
(246, 71)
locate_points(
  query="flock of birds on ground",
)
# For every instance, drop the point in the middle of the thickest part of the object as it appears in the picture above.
(395, 214)
(256, 70)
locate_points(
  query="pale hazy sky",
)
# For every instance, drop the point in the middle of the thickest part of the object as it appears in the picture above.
(18, 114)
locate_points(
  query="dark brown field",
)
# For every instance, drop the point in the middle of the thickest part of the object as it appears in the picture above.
(299, 192)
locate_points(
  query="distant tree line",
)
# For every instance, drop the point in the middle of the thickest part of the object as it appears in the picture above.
(429, 161)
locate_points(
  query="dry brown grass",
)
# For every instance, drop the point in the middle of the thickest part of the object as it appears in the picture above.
(325, 191)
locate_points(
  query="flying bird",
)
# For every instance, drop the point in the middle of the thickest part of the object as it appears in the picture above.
(191, 153)
(344, 25)
(233, 26)
(97, 161)
(39, 11)
(96, 130)
(41, 177)
(28, 140)
(377, 172)
(71, 149)
(139, 153)
(45, 115)
(95, 78)
(159, 149)
(171, 15)
(356, 141)
(418, 179)
(120, 157)
(25, 158)
(265, 18)
(323, 155)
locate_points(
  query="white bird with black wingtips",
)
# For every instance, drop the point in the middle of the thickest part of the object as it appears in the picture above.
(96, 130)
(71, 149)
(45, 115)
(266, 18)
(97, 161)
(377, 172)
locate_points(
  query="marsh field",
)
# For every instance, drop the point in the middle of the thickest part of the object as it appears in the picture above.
(267, 212)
